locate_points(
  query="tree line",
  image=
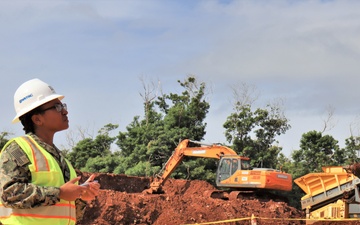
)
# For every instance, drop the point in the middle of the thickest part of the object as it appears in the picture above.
(149, 140)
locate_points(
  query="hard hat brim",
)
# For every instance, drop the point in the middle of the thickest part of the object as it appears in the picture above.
(35, 105)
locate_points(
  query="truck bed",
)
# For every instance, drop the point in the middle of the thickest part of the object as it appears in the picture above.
(321, 188)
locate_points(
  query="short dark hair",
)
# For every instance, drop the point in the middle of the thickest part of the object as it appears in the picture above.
(26, 121)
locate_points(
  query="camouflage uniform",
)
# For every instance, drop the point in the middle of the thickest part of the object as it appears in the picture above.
(16, 189)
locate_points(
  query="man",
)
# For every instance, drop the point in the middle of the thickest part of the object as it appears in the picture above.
(38, 186)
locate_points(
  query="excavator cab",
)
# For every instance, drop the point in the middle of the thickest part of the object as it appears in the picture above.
(229, 165)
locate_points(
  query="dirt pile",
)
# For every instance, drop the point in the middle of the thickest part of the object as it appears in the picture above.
(121, 201)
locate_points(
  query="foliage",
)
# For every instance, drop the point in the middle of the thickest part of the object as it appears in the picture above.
(91, 148)
(252, 133)
(139, 169)
(197, 169)
(3, 139)
(102, 164)
(148, 143)
(136, 144)
(349, 155)
(316, 150)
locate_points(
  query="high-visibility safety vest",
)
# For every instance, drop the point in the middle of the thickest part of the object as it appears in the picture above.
(45, 171)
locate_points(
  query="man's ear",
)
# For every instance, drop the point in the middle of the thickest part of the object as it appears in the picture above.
(36, 118)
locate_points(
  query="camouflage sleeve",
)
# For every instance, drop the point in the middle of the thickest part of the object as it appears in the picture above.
(80, 208)
(16, 189)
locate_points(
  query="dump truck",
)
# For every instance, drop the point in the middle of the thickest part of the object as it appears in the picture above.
(234, 172)
(331, 194)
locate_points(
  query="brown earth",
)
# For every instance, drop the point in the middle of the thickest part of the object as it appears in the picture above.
(121, 201)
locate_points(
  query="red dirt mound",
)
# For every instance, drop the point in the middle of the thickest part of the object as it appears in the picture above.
(121, 201)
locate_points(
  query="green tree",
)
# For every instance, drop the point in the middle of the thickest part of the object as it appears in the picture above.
(148, 143)
(253, 132)
(89, 148)
(136, 145)
(348, 155)
(102, 164)
(185, 113)
(316, 150)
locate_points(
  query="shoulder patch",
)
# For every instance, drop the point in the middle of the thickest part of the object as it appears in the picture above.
(20, 156)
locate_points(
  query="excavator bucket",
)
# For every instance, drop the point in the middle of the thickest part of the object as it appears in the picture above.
(148, 191)
(155, 188)
(153, 191)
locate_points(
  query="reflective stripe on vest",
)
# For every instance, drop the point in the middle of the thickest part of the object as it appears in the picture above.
(38, 157)
(45, 171)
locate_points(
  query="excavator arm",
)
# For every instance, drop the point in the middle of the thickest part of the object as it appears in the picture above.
(184, 149)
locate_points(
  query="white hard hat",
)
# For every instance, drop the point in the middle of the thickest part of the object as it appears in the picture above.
(32, 94)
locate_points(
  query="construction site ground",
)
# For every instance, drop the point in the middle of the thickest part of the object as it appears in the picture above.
(122, 201)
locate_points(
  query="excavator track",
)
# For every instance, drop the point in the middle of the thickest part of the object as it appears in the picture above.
(228, 195)
(240, 194)
(218, 194)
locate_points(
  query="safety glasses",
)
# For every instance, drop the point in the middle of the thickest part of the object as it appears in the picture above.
(58, 106)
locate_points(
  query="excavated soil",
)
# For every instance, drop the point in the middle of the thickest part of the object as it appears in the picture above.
(122, 201)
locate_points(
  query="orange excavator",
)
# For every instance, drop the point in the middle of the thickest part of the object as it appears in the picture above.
(233, 172)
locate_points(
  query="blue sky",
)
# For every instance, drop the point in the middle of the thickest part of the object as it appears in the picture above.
(306, 53)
